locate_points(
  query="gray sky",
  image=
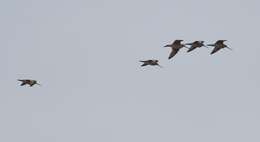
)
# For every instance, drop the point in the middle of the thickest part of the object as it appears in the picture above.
(85, 53)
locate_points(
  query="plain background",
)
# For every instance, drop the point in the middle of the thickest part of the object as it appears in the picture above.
(85, 54)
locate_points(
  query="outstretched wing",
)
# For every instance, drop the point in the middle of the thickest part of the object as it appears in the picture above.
(173, 53)
(220, 41)
(23, 84)
(147, 61)
(215, 50)
(144, 64)
(191, 48)
(24, 81)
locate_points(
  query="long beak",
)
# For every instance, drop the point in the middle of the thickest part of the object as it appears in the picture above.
(160, 66)
(211, 45)
(38, 84)
(229, 48)
(188, 44)
(205, 46)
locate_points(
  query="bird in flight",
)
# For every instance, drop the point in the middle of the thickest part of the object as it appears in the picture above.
(218, 45)
(29, 82)
(195, 44)
(151, 63)
(176, 46)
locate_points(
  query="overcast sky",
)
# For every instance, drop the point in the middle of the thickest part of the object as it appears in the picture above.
(85, 54)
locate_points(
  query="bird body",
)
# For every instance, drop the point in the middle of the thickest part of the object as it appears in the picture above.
(28, 81)
(176, 46)
(150, 62)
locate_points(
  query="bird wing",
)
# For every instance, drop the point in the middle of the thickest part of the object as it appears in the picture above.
(191, 48)
(220, 41)
(24, 80)
(215, 50)
(147, 61)
(144, 64)
(23, 84)
(173, 53)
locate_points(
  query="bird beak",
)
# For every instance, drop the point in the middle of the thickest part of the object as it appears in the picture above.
(205, 46)
(210, 45)
(38, 84)
(228, 48)
(160, 66)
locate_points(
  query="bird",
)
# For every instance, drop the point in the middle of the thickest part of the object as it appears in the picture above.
(176, 46)
(150, 62)
(195, 44)
(29, 82)
(218, 45)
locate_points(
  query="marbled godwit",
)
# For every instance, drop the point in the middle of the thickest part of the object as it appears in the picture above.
(28, 81)
(218, 45)
(176, 46)
(195, 44)
(150, 62)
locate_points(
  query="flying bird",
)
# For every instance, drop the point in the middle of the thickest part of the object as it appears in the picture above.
(150, 62)
(218, 45)
(28, 81)
(195, 44)
(176, 46)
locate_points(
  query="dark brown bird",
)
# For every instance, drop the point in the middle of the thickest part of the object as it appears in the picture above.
(28, 81)
(151, 63)
(176, 46)
(218, 45)
(195, 44)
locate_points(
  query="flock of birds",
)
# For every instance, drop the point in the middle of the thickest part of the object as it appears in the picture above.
(177, 45)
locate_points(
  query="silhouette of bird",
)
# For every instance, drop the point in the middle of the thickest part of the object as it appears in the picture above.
(28, 81)
(176, 46)
(151, 63)
(195, 44)
(218, 45)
